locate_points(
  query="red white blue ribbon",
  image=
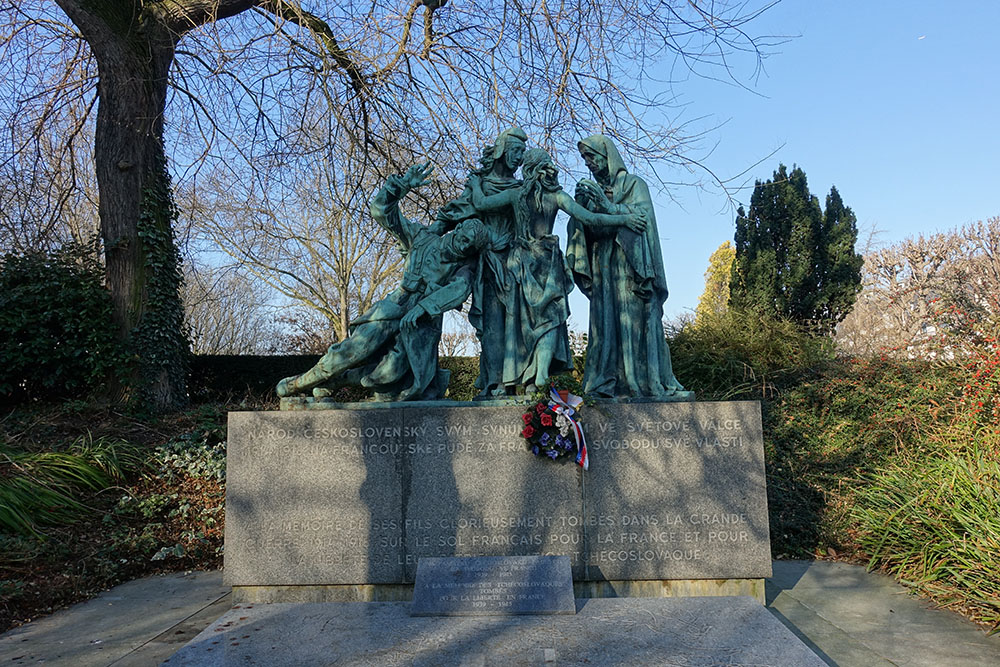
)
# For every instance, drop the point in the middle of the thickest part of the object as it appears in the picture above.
(565, 404)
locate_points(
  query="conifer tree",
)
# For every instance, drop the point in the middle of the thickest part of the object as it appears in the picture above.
(792, 259)
(842, 269)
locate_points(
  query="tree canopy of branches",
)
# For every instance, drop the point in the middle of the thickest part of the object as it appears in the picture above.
(317, 247)
(227, 313)
(923, 296)
(236, 79)
(793, 259)
(48, 188)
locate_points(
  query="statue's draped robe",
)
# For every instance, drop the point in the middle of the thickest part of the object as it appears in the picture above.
(491, 288)
(621, 272)
(538, 304)
(404, 364)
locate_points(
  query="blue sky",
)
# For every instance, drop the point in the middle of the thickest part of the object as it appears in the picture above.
(896, 104)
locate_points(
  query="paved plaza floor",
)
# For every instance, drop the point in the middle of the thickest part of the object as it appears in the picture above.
(845, 615)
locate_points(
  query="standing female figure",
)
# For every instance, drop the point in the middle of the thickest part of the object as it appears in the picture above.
(536, 342)
(491, 290)
(621, 272)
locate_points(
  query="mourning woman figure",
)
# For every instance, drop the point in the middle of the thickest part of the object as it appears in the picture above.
(536, 342)
(621, 272)
(491, 288)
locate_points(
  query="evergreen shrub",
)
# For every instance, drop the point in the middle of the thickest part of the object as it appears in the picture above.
(57, 338)
(744, 354)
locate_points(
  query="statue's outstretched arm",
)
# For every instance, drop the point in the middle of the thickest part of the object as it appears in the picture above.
(385, 206)
(635, 221)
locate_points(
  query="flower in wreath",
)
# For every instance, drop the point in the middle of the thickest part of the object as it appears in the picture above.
(540, 408)
(528, 431)
(546, 419)
(563, 424)
(546, 439)
(526, 418)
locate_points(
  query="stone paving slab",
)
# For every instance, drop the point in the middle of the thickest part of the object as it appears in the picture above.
(847, 616)
(853, 617)
(169, 641)
(113, 625)
(635, 631)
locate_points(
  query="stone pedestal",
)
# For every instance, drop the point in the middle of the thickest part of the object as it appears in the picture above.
(340, 504)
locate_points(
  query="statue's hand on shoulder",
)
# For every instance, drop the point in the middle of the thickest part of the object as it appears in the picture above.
(591, 195)
(418, 175)
(475, 183)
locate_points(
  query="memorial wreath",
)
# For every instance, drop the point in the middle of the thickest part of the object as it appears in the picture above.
(552, 429)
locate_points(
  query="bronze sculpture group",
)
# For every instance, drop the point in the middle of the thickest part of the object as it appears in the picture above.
(495, 242)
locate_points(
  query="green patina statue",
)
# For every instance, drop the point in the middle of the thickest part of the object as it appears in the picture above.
(495, 243)
(393, 347)
(536, 342)
(490, 296)
(621, 271)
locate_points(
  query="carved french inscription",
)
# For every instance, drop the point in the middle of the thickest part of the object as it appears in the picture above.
(682, 491)
(493, 586)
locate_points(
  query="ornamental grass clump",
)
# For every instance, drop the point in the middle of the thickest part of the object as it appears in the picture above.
(936, 527)
(40, 490)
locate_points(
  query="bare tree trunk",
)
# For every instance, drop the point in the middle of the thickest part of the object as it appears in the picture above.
(129, 134)
(136, 205)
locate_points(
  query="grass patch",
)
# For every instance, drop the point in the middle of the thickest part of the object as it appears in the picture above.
(39, 490)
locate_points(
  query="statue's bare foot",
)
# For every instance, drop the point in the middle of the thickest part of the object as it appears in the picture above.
(531, 389)
(322, 392)
(407, 395)
(286, 387)
(540, 383)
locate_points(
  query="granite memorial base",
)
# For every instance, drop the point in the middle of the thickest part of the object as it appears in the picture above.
(692, 631)
(340, 505)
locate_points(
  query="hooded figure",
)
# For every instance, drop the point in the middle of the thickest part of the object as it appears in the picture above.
(621, 272)
(537, 341)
